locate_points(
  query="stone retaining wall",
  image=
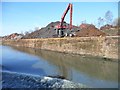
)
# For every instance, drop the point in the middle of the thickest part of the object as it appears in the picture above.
(96, 46)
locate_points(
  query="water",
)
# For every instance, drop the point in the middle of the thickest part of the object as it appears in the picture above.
(91, 71)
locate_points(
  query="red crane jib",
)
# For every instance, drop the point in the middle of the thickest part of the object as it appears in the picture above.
(61, 26)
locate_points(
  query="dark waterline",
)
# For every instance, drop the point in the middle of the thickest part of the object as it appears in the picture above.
(91, 71)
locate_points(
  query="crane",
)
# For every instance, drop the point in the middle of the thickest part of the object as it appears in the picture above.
(60, 27)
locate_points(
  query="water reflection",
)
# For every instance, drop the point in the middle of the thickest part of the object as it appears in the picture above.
(92, 66)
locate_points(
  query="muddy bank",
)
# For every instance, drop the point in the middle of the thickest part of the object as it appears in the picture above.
(106, 47)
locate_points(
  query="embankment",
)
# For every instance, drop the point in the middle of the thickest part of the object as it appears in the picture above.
(96, 46)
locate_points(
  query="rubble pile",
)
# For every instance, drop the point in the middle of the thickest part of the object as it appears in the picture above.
(87, 30)
(13, 36)
(46, 32)
(107, 26)
(110, 30)
(84, 30)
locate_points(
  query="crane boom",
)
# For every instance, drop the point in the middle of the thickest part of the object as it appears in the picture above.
(61, 27)
(64, 14)
(71, 9)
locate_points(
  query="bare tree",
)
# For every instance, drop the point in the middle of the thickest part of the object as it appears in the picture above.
(22, 33)
(30, 31)
(116, 22)
(26, 33)
(100, 22)
(108, 17)
(84, 21)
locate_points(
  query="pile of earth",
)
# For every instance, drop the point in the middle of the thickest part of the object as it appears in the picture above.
(12, 36)
(110, 30)
(46, 32)
(88, 30)
(49, 31)
(107, 26)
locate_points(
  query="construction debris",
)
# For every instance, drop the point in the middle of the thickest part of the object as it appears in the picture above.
(88, 30)
(107, 26)
(47, 32)
(84, 30)
(86, 26)
(110, 30)
(13, 36)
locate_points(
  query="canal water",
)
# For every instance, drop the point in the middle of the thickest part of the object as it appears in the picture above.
(92, 71)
